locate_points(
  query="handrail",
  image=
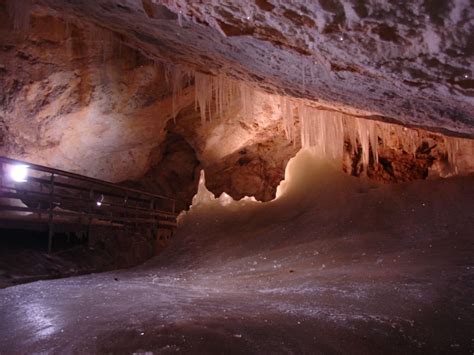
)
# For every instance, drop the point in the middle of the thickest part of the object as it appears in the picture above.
(94, 215)
(76, 195)
(83, 178)
(71, 201)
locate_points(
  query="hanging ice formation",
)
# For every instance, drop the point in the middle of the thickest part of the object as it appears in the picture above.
(215, 95)
(287, 115)
(324, 132)
(178, 78)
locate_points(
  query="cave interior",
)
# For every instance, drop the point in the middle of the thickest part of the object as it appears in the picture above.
(319, 156)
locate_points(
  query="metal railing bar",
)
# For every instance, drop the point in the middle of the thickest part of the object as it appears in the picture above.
(82, 177)
(75, 201)
(84, 189)
(84, 214)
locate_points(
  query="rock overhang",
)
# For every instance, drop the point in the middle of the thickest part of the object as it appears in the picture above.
(406, 63)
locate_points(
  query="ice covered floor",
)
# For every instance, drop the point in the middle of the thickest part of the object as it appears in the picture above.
(334, 265)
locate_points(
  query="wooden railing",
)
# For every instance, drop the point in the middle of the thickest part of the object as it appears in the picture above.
(51, 196)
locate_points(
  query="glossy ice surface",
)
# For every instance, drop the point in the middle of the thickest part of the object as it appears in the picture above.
(339, 266)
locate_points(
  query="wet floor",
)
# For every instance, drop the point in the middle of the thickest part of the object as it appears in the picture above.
(390, 272)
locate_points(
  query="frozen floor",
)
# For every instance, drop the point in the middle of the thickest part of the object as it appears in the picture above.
(353, 268)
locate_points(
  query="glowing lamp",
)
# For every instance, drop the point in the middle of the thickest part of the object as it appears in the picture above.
(19, 173)
(99, 202)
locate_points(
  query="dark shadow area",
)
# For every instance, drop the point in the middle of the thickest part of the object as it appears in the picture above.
(24, 257)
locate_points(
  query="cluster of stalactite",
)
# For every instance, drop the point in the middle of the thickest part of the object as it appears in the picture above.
(323, 131)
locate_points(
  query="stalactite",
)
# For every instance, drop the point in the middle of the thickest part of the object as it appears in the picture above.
(247, 97)
(452, 151)
(367, 137)
(287, 115)
(179, 78)
(203, 94)
(214, 95)
(322, 131)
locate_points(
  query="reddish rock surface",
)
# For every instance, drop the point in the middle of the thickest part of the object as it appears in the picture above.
(407, 62)
(84, 92)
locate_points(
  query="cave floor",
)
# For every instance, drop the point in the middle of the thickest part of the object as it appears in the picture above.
(392, 273)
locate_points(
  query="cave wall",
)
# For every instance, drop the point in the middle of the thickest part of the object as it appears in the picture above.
(411, 63)
(76, 96)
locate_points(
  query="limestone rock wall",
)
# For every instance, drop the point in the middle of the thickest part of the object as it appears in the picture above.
(76, 96)
(410, 62)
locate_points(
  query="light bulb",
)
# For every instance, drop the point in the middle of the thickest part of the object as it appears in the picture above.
(19, 173)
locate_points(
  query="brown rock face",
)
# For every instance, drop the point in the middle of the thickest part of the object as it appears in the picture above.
(74, 98)
(174, 169)
(426, 157)
(255, 170)
(85, 94)
(411, 63)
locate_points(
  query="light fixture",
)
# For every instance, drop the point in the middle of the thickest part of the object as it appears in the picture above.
(19, 173)
(99, 202)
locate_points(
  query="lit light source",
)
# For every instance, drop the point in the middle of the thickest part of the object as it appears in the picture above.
(99, 202)
(19, 173)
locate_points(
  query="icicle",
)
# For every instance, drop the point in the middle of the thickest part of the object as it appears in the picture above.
(247, 95)
(452, 151)
(288, 118)
(203, 94)
(216, 94)
(322, 131)
(177, 77)
(364, 133)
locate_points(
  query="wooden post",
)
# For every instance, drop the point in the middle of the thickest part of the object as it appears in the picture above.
(89, 210)
(136, 216)
(155, 225)
(39, 213)
(50, 218)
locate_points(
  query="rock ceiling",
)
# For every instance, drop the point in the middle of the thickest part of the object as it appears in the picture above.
(410, 62)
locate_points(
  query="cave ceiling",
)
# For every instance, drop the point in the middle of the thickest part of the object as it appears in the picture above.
(397, 61)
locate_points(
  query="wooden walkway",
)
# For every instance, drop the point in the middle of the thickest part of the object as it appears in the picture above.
(57, 201)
